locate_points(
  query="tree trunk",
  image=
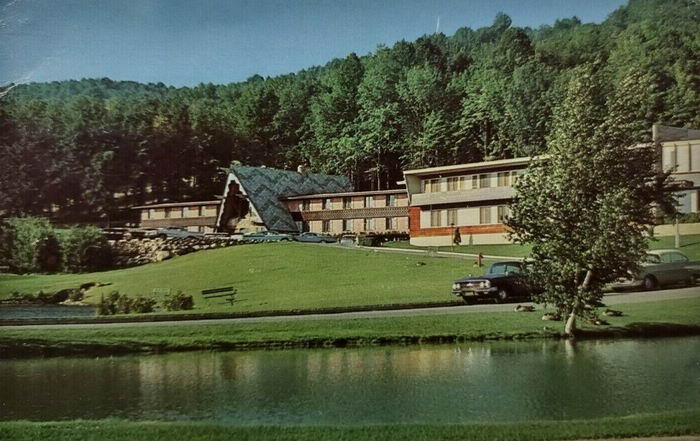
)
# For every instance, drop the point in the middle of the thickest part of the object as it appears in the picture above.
(570, 327)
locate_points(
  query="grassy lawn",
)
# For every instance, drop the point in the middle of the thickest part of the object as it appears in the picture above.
(690, 245)
(278, 276)
(510, 250)
(669, 424)
(667, 317)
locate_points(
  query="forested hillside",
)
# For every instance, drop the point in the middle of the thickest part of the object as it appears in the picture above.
(86, 149)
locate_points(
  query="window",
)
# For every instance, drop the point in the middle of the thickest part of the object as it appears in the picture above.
(388, 224)
(347, 202)
(326, 226)
(484, 181)
(182, 211)
(475, 182)
(513, 177)
(485, 215)
(200, 211)
(503, 213)
(305, 205)
(391, 200)
(452, 216)
(452, 184)
(369, 202)
(147, 214)
(369, 224)
(326, 204)
(498, 268)
(436, 218)
(432, 185)
(167, 213)
(513, 268)
(463, 182)
(347, 224)
(503, 179)
(678, 257)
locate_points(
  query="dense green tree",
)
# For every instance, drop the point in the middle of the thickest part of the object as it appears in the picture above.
(586, 208)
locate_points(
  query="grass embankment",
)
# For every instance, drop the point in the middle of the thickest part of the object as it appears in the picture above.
(650, 425)
(281, 276)
(690, 245)
(668, 317)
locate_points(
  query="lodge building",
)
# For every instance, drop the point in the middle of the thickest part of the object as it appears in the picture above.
(380, 211)
(471, 198)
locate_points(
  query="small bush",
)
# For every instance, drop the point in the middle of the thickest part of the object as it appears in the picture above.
(84, 249)
(29, 244)
(116, 303)
(143, 305)
(178, 302)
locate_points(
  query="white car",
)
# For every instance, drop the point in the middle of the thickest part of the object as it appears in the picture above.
(661, 268)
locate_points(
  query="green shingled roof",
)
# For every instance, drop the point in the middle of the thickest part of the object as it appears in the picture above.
(266, 186)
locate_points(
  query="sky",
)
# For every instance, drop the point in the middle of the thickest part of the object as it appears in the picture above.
(184, 43)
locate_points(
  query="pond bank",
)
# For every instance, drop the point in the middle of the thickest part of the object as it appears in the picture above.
(652, 319)
(682, 423)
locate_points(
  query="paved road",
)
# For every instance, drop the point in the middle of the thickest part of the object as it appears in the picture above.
(610, 299)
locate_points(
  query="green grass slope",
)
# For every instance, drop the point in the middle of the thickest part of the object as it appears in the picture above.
(273, 276)
(690, 245)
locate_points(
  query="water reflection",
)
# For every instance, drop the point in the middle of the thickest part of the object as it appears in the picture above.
(435, 384)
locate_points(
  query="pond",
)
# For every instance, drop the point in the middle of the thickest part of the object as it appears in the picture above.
(544, 380)
(44, 311)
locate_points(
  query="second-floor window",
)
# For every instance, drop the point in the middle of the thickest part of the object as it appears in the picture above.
(391, 200)
(452, 184)
(503, 179)
(347, 202)
(305, 205)
(484, 181)
(369, 202)
(167, 213)
(326, 204)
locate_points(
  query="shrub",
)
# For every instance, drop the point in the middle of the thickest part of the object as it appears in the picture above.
(84, 249)
(29, 244)
(178, 302)
(143, 305)
(116, 303)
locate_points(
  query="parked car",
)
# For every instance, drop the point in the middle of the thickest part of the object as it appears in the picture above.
(314, 238)
(217, 236)
(502, 281)
(662, 268)
(266, 236)
(144, 233)
(116, 233)
(178, 233)
(348, 240)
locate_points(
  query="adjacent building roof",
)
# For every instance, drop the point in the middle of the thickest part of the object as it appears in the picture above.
(471, 166)
(347, 194)
(266, 187)
(177, 204)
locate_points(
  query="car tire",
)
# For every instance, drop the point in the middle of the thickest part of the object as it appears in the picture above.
(650, 283)
(502, 296)
(691, 280)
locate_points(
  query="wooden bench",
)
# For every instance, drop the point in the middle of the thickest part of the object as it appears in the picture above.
(229, 292)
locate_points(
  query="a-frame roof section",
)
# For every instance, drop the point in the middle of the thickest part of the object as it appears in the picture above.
(265, 187)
